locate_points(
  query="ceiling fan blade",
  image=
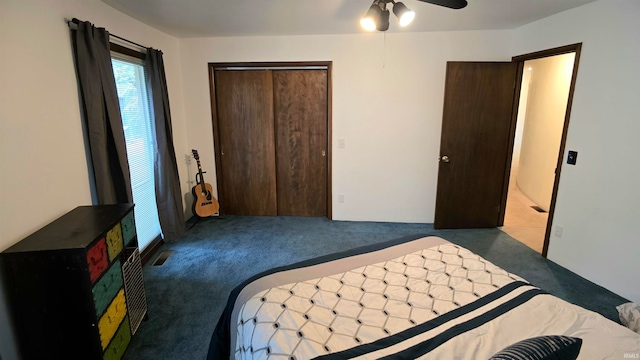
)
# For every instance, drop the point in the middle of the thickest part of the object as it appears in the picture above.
(453, 4)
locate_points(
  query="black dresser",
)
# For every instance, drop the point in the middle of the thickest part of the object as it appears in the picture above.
(74, 288)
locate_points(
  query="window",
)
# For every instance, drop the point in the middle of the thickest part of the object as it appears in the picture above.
(135, 108)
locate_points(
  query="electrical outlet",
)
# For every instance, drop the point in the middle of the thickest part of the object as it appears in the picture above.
(187, 159)
(341, 198)
(558, 231)
(340, 143)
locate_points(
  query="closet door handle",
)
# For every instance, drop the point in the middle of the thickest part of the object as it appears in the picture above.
(323, 153)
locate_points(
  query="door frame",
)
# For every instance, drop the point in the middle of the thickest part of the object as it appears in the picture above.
(293, 65)
(520, 60)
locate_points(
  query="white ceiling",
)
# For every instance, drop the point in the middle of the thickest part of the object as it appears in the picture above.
(211, 18)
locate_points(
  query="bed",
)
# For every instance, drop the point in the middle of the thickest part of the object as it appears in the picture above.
(411, 298)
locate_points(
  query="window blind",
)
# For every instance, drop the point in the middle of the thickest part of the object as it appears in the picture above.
(137, 121)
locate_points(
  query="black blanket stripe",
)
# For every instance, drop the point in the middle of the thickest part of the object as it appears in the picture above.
(428, 345)
(421, 328)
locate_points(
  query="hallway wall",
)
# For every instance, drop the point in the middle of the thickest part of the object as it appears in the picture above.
(550, 79)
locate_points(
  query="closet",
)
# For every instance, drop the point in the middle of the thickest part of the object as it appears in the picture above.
(271, 139)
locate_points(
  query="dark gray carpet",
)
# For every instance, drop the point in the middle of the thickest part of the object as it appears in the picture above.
(188, 293)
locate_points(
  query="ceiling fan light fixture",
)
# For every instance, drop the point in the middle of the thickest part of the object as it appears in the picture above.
(403, 13)
(383, 21)
(370, 20)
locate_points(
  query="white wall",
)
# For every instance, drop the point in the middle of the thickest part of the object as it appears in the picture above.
(387, 106)
(522, 110)
(549, 82)
(42, 155)
(598, 198)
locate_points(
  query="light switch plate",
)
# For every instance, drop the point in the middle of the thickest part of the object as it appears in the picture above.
(572, 157)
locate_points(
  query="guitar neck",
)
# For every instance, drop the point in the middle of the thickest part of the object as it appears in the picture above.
(197, 157)
(200, 173)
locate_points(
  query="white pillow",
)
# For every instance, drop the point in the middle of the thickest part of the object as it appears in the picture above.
(630, 315)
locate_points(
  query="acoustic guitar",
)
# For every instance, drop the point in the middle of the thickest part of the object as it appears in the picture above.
(204, 203)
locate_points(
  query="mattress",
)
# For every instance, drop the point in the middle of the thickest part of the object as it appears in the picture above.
(412, 298)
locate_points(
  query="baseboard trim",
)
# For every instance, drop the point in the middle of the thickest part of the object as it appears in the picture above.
(151, 249)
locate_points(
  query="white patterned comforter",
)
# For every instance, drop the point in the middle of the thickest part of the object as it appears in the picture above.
(425, 298)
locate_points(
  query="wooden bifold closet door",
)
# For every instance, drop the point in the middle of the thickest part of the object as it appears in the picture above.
(245, 118)
(272, 129)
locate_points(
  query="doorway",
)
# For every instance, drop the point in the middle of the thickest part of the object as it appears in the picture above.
(544, 93)
(471, 148)
(567, 72)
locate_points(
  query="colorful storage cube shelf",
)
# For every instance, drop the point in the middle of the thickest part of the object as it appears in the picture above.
(65, 284)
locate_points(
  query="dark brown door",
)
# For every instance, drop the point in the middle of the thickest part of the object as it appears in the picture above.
(476, 125)
(300, 104)
(247, 147)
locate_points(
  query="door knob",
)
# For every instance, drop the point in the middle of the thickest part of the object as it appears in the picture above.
(323, 153)
(444, 158)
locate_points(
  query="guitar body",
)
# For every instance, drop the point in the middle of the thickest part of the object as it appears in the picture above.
(204, 203)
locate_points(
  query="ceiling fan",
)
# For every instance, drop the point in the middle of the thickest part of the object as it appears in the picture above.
(377, 17)
(453, 4)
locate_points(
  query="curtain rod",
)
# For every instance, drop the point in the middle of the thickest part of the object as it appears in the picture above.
(73, 24)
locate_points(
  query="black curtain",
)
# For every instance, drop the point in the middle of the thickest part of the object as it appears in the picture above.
(102, 114)
(168, 192)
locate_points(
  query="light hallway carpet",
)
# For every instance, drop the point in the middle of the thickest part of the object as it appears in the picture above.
(521, 221)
